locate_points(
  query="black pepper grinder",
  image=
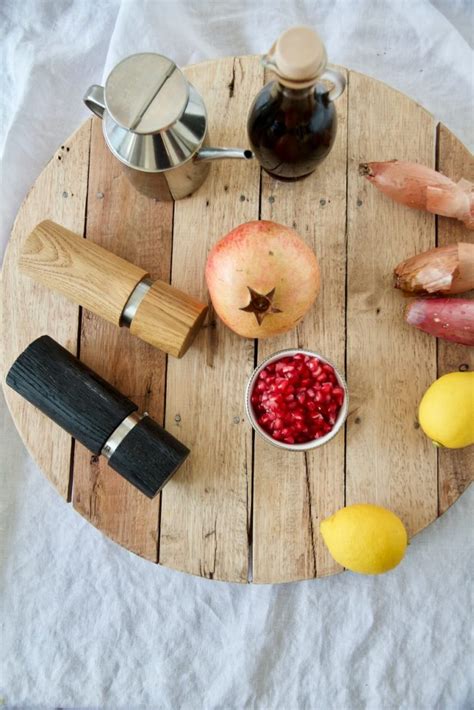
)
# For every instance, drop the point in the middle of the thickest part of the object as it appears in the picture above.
(292, 122)
(96, 414)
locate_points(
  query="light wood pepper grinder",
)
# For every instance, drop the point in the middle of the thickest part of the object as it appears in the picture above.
(111, 287)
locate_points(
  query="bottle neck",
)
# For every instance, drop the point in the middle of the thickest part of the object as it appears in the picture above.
(296, 94)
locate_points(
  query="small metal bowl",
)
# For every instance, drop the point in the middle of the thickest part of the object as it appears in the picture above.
(307, 445)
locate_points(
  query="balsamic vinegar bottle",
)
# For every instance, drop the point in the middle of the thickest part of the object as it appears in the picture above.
(292, 122)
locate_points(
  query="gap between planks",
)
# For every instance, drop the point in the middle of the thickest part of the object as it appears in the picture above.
(79, 316)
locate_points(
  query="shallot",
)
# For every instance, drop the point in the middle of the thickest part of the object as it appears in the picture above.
(447, 318)
(423, 188)
(444, 270)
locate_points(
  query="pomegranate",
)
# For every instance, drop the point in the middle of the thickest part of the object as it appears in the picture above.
(297, 399)
(262, 279)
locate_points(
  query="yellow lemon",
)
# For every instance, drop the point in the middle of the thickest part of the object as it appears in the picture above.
(446, 412)
(365, 538)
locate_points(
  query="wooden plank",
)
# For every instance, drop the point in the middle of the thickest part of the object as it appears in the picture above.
(293, 491)
(205, 506)
(388, 461)
(30, 309)
(138, 229)
(456, 468)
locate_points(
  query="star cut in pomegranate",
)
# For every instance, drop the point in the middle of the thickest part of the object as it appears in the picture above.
(261, 304)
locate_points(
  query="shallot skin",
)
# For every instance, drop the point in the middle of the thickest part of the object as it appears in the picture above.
(447, 318)
(423, 188)
(445, 270)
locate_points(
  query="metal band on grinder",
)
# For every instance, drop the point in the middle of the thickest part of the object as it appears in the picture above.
(117, 436)
(134, 300)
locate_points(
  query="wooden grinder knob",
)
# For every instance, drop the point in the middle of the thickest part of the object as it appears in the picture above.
(96, 414)
(111, 287)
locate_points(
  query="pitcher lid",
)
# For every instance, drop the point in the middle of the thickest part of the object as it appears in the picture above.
(146, 93)
(298, 56)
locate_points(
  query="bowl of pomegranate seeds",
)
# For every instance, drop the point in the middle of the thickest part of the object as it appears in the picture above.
(297, 400)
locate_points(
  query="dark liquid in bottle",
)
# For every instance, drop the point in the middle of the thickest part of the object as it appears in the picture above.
(291, 131)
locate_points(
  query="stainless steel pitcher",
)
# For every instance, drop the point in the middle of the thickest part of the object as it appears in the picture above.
(155, 123)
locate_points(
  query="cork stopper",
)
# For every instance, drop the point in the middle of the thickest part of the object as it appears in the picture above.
(298, 57)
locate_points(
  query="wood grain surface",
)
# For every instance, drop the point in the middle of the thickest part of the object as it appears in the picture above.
(168, 319)
(138, 229)
(456, 468)
(389, 364)
(240, 509)
(29, 309)
(70, 393)
(294, 491)
(79, 269)
(203, 531)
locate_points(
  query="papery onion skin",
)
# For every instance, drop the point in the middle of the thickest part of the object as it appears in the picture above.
(441, 270)
(447, 318)
(423, 188)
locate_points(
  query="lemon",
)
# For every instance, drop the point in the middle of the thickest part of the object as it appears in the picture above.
(446, 412)
(365, 538)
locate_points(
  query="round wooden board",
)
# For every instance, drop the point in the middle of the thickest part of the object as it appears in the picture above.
(240, 509)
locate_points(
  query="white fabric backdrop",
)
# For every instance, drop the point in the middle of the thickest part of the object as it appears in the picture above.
(84, 622)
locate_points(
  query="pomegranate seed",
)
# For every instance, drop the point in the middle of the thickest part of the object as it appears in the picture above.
(297, 399)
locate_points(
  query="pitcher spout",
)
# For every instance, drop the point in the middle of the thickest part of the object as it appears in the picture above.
(207, 154)
(94, 99)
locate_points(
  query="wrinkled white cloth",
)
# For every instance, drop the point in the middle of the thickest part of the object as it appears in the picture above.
(84, 622)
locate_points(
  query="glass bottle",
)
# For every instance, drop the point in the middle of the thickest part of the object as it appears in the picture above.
(292, 122)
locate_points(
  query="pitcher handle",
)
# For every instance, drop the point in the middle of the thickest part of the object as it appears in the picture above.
(94, 99)
(337, 79)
